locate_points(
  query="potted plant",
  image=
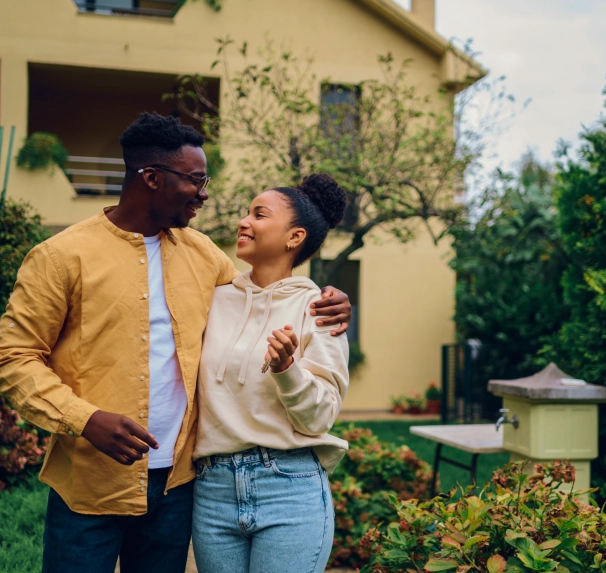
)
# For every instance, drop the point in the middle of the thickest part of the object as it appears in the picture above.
(397, 404)
(432, 397)
(415, 403)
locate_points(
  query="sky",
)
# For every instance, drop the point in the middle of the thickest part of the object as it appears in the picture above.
(552, 51)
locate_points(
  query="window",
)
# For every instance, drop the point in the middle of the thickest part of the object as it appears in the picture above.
(338, 108)
(339, 118)
(160, 8)
(348, 280)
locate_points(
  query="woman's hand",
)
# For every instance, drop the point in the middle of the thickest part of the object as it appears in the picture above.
(281, 347)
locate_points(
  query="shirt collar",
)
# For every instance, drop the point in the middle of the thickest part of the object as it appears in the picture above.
(128, 235)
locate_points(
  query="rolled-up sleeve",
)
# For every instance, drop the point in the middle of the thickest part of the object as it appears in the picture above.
(29, 329)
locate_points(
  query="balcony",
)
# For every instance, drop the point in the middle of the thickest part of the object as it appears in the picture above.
(89, 108)
(153, 8)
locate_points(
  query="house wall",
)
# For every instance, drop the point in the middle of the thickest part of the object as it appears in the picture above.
(406, 293)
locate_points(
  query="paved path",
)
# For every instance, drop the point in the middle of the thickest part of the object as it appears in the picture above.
(371, 415)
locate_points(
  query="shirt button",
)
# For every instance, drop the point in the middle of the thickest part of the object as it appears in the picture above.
(141, 378)
(142, 482)
(70, 433)
(142, 261)
(142, 489)
(136, 235)
(142, 475)
(145, 295)
(144, 337)
(12, 325)
(142, 415)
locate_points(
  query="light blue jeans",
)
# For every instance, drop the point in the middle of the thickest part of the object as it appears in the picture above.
(262, 511)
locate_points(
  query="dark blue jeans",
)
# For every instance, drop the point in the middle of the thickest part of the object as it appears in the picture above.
(156, 542)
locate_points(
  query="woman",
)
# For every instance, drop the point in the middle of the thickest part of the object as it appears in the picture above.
(262, 500)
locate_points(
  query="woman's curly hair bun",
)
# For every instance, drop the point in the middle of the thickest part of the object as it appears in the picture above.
(326, 194)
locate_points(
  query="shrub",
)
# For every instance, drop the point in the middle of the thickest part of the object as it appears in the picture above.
(41, 150)
(518, 523)
(361, 486)
(433, 392)
(21, 229)
(21, 446)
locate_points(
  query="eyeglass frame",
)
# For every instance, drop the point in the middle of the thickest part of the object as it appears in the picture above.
(201, 182)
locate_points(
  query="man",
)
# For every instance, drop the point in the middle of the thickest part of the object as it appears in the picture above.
(100, 345)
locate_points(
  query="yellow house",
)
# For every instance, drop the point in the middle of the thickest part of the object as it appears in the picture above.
(84, 69)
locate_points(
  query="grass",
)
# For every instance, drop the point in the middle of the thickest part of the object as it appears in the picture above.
(23, 508)
(22, 512)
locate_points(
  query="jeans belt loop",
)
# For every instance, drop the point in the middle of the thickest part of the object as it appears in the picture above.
(265, 456)
(207, 460)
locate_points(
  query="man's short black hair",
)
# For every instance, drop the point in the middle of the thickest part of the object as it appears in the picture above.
(155, 139)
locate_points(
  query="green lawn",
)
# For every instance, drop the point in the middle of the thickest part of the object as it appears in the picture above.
(22, 509)
(21, 526)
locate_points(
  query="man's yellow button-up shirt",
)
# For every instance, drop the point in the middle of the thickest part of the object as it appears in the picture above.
(75, 339)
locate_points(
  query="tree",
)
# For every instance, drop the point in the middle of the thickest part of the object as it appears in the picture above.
(579, 346)
(509, 262)
(394, 151)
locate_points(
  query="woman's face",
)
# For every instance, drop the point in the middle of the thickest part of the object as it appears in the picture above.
(264, 233)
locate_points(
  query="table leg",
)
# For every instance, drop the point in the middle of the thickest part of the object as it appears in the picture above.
(436, 465)
(474, 468)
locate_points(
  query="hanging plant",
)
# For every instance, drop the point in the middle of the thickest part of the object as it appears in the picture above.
(216, 5)
(40, 151)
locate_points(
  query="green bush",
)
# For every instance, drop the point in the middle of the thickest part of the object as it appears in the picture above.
(22, 447)
(21, 229)
(518, 523)
(361, 486)
(41, 150)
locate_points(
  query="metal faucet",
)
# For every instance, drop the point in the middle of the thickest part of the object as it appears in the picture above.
(504, 420)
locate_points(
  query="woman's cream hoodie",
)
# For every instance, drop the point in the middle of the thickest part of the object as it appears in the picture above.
(239, 406)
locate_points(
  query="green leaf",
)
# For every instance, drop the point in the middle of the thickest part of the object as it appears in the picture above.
(572, 557)
(550, 544)
(474, 541)
(440, 565)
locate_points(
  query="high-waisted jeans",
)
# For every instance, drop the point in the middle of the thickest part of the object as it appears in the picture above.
(262, 511)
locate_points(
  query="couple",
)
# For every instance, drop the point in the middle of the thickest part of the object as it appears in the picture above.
(101, 344)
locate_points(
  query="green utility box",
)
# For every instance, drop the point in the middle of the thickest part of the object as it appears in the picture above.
(551, 416)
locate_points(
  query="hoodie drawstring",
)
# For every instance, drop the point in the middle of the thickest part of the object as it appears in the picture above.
(237, 333)
(253, 342)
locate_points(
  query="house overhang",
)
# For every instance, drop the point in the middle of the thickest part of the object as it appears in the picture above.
(459, 70)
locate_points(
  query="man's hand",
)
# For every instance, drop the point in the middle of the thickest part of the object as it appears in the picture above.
(118, 437)
(335, 305)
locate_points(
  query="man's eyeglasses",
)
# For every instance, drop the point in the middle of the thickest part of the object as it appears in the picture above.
(200, 182)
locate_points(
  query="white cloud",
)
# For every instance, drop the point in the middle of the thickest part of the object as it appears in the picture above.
(553, 51)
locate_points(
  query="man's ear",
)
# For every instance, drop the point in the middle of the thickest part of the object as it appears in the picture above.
(297, 236)
(152, 178)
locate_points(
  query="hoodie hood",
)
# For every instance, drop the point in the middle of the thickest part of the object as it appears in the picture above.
(280, 289)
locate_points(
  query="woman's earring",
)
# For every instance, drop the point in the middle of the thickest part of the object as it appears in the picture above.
(289, 246)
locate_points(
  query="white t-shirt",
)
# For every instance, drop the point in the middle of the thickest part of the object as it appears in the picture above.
(167, 397)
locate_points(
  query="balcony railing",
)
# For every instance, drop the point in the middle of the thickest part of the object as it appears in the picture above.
(158, 8)
(89, 176)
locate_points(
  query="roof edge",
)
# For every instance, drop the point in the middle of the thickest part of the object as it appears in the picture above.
(428, 38)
